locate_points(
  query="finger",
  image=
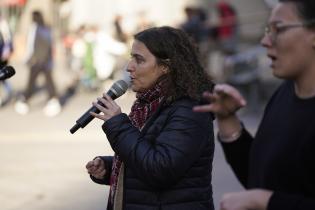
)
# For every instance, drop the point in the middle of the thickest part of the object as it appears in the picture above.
(109, 99)
(229, 91)
(105, 102)
(110, 106)
(100, 170)
(206, 95)
(214, 97)
(223, 202)
(222, 206)
(222, 89)
(97, 162)
(236, 95)
(99, 166)
(103, 109)
(114, 105)
(89, 165)
(203, 108)
(91, 170)
(225, 89)
(99, 116)
(100, 175)
(99, 106)
(211, 97)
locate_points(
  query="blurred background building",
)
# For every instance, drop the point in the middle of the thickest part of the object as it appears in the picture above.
(71, 14)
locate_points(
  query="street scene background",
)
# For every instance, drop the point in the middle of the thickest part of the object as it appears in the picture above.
(42, 163)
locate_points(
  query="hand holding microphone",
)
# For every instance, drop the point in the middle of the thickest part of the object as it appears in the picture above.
(116, 90)
(107, 106)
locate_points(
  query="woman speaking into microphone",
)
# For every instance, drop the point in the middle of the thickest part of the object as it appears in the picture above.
(163, 150)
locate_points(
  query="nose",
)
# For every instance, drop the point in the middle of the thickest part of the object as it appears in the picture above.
(266, 41)
(130, 66)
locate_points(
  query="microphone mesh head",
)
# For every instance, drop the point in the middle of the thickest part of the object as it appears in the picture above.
(119, 87)
(10, 70)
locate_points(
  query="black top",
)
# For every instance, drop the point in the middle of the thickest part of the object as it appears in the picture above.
(281, 157)
(168, 163)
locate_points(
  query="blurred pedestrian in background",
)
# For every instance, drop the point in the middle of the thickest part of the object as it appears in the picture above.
(227, 30)
(120, 34)
(6, 50)
(277, 165)
(6, 41)
(40, 61)
(193, 24)
(164, 150)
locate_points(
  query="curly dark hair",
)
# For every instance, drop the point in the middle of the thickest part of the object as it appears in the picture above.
(174, 49)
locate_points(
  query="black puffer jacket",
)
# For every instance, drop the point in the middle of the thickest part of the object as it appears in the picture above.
(168, 163)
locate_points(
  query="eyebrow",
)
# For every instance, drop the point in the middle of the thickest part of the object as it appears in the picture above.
(136, 55)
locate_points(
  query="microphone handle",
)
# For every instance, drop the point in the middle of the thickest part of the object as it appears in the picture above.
(86, 118)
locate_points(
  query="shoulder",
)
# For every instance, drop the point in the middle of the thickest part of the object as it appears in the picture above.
(184, 102)
(284, 89)
(282, 92)
(184, 107)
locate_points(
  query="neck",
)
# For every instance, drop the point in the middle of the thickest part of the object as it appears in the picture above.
(305, 86)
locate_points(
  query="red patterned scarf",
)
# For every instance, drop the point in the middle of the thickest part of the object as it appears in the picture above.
(144, 106)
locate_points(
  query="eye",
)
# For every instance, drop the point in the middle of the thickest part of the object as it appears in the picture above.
(279, 28)
(274, 29)
(139, 60)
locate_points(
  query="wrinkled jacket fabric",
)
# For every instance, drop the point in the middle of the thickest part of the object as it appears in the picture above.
(168, 163)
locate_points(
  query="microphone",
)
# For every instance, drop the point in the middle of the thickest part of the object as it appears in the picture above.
(116, 90)
(6, 72)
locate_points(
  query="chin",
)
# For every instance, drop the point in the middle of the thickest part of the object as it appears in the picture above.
(135, 89)
(279, 73)
(282, 74)
(276, 74)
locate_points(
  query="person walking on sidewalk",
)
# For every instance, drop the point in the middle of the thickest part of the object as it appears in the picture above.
(277, 165)
(40, 61)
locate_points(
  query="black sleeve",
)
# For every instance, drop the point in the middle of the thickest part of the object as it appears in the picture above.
(161, 162)
(108, 160)
(237, 155)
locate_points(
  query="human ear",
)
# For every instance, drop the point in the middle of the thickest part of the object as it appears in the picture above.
(165, 70)
(165, 66)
